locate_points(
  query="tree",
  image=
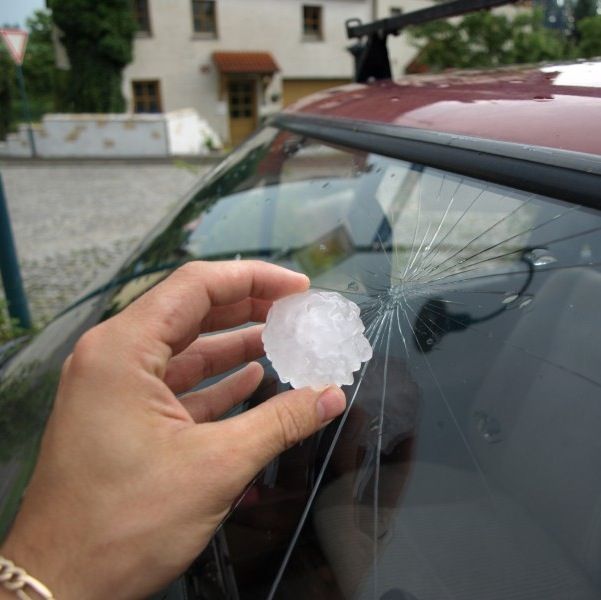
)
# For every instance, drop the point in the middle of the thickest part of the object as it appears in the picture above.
(589, 30)
(484, 39)
(584, 9)
(6, 93)
(98, 38)
(39, 67)
(40, 72)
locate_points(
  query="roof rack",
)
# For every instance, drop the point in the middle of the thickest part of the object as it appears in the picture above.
(371, 52)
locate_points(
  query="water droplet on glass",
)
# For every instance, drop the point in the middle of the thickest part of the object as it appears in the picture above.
(510, 299)
(429, 341)
(541, 261)
(525, 303)
(353, 286)
(586, 253)
(323, 247)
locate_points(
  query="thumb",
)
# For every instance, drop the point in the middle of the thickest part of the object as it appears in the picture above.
(281, 422)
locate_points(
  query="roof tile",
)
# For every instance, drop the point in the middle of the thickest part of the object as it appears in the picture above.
(245, 62)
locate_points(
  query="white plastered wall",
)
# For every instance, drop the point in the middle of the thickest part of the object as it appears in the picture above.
(182, 61)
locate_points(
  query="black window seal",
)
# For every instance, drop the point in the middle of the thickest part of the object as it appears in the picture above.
(563, 174)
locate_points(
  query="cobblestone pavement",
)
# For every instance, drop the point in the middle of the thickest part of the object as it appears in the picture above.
(72, 221)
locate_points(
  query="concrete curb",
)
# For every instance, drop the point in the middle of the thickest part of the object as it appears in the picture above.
(212, 159)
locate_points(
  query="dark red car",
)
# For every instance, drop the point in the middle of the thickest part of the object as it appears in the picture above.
(462, 213)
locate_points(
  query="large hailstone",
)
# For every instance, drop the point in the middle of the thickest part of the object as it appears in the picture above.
(315, 338)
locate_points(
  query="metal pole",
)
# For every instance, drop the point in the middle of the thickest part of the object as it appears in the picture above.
(26, 111)
(9, 267)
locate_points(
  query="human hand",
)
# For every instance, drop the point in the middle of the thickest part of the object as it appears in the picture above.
(131, 481)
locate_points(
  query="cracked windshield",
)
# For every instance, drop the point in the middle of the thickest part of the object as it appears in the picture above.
(300, 299)
(480, 303)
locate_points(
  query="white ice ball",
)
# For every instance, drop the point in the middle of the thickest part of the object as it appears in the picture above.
(315, 338)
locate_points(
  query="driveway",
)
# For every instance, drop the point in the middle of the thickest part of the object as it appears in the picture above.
(70, 221)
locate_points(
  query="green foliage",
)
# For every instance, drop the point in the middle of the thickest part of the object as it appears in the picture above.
(584, 9)
(9, 328)
(6, 93)
(41, 76)
(483, 40)
(589, 30)
(39, 67)
(98, 38)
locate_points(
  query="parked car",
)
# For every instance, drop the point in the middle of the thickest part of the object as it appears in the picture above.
(462, 213)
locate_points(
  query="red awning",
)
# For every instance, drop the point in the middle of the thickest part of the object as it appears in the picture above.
(245, 62)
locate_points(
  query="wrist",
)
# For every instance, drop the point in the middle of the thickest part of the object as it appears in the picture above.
(23, 573)
(5, 594)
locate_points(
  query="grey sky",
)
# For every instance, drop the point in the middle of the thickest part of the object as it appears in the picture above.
(14, 12)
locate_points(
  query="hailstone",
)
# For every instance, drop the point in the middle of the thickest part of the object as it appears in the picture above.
(315, 338)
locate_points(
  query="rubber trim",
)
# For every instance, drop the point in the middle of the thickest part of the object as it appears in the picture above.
(563, 174)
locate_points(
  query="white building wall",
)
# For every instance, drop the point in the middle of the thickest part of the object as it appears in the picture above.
(400, 50)
(181, 60)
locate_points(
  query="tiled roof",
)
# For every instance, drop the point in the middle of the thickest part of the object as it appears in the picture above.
(245, 62)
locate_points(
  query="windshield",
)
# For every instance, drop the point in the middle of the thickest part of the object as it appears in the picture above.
(468, 462)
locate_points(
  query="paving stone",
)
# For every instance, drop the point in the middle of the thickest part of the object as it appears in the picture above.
(72, 221)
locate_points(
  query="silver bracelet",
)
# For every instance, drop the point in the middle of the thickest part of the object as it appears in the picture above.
(17, 580)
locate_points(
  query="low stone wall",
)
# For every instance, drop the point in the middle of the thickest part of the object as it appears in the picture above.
(181, 132)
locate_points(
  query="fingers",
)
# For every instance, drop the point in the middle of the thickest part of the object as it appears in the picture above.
(264, 432)
(211, 355)
(246, 311)
(213, 402)
(170, 315)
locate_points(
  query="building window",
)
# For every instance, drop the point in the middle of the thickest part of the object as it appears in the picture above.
(142, 16)
(241, 97)
(147, 97)
(395, 11)
(204, 17)
(312, 22)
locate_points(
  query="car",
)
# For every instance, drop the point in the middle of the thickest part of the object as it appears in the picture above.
(462, 213)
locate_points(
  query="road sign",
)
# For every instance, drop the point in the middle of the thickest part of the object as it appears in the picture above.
(15, 41)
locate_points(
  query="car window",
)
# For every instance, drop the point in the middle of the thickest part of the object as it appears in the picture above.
(468, 464)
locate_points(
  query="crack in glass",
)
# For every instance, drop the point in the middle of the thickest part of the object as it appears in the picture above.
(466, 462)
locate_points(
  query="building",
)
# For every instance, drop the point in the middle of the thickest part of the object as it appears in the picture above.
(238, 61)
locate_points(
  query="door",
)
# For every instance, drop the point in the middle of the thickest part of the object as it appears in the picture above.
(295, 89)
(242, 108)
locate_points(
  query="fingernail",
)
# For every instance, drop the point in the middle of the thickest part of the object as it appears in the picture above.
(330, 403)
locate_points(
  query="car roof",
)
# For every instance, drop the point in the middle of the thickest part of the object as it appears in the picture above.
(554, 105)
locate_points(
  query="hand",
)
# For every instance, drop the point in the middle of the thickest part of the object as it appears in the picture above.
(131, 481)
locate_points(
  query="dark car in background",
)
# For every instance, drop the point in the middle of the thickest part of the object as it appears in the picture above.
(462, 213)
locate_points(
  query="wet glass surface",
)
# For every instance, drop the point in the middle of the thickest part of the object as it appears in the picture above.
(468, 462)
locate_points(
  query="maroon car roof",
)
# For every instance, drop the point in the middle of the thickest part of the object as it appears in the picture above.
(558, 106)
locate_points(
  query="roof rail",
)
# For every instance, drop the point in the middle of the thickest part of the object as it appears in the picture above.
(371, 54)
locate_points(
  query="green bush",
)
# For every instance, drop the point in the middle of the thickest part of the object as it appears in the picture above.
(9, 328)
(589, 33)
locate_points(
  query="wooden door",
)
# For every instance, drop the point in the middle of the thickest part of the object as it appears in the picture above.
(242, 101)
(295, 89)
